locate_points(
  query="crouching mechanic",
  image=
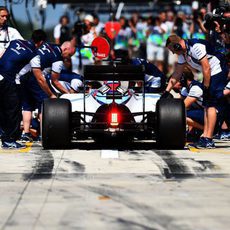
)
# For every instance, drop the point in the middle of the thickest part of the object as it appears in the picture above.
(50, 61)
(155, 80)
(69, 80)
(192, 94)
(17, 55)
(200, 55)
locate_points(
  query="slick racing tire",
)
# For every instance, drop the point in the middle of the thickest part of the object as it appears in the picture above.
(56, 123)
(171, 123)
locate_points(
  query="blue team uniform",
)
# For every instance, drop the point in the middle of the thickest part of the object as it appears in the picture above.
(197, 49)
(155, 80)
(49, 53)
(196, 111)
(17, 55)
(50, 60)
(67, 76)
(32, 94)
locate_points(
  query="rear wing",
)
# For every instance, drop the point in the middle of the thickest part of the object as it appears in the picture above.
(114, 72)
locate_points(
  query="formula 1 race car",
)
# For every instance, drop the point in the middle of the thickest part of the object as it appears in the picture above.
(113, 104)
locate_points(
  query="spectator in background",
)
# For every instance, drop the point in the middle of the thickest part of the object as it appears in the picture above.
(62, 34)
(134, 41)
(197, 29)
(181, 27)
(7, 33)
(141, 36)
(99, 26)
(170, 59)
(155, 42)
(170, 17)
(121, 41)
(137, 41)
(83, 35)
(90, 30)
(218, 35)
(62, 31)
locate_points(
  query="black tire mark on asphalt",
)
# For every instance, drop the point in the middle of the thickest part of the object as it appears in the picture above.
(43, 167)
(206, 165)
(41, 170)
(176, 167)
(179, 170)
(132, 224)
(49, 189)
(151, 214)
(79, 168)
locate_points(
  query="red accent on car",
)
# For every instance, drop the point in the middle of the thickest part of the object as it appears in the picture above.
(114, 118)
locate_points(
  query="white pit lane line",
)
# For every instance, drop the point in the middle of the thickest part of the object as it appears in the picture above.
(109, 153)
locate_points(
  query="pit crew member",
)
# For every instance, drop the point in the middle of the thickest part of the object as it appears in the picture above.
(155, 80)
(51, 61)
(200, 55)
(192, 94)
(17, 55)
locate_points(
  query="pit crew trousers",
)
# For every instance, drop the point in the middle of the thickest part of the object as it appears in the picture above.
(10, 111)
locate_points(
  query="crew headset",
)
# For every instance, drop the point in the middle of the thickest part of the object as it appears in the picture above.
(176, 46)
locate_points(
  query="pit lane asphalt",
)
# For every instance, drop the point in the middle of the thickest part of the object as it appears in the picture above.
(135, 186)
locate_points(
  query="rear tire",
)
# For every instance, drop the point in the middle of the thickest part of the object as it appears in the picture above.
(171, 123)
(56, 123)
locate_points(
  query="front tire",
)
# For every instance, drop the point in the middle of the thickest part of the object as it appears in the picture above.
(56, 123)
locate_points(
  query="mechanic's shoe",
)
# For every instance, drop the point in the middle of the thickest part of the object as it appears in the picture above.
(12, 145)
(210, 144)
(26, 137)
(205, 143)
(193, 136)
(201, 141)
(38, 139)
(225, 136)
(216, 136)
